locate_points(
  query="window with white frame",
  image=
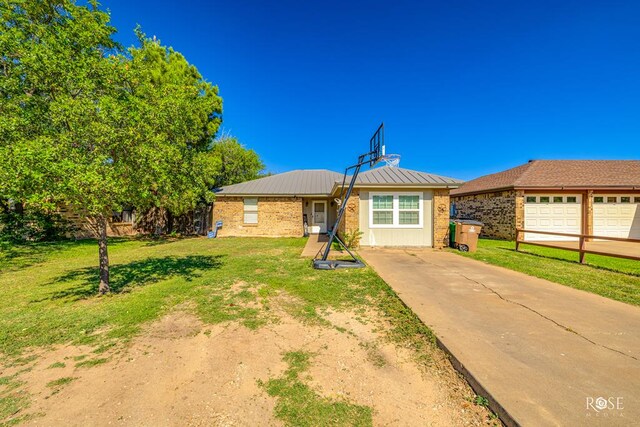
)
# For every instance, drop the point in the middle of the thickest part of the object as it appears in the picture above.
(395, 210)
(382, 209)
(408, 210)
(250, 211)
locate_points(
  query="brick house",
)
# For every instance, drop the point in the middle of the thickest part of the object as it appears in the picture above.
(597, 197)
(391, 206)
(120, 224)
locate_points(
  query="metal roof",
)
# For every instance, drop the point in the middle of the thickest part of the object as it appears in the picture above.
(323, 182)
(387, 175)
(294, 183)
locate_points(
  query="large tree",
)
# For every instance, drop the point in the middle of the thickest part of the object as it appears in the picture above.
(237, 163)
(87, 124)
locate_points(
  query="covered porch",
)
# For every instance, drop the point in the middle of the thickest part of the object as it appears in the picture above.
(319, 214)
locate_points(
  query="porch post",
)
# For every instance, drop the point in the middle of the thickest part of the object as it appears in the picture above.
(587, 213)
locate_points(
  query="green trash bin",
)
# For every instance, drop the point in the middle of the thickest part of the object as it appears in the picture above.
(452, 234)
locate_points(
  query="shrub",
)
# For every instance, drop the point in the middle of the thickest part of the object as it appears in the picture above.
(352, 238)
(32, 225)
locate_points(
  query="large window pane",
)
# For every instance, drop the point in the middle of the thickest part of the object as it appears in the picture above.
(395, 210)
(383, 217)
(382, 202)
(409, 217)
(409, 202)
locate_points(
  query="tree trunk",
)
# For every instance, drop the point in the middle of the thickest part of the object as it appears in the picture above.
(101, 226)
(169, 222)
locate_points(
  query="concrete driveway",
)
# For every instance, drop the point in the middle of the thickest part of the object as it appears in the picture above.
(545, 352)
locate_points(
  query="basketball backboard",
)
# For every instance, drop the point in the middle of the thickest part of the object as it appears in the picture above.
(376, 146)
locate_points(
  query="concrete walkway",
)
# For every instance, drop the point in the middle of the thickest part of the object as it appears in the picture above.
(314, 244)
(543, 351)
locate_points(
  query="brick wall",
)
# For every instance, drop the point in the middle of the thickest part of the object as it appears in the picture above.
(83, 229)
(499, 211)
(440, 218)
(277, 217)
(351, 219)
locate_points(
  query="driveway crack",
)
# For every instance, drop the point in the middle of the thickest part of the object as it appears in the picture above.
(560, 325)
(566, 328)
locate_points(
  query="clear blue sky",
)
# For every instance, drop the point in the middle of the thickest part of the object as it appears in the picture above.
(465, 88)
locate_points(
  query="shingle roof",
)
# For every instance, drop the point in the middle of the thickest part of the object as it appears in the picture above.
(294, 183)
(387, 175)
(559, 174)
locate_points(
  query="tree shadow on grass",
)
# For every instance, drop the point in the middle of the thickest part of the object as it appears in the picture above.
(18, 255)
(14, 255)
(125, 277)
(151, 240)
(568, 261)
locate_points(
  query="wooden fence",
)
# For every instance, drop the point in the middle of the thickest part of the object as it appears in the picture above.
(582, 239)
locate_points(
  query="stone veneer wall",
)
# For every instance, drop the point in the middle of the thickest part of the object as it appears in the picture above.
(500, 212)
(440, 218)
(277, 217)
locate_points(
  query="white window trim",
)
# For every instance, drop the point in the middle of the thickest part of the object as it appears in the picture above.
(396, 210)
(245, 210)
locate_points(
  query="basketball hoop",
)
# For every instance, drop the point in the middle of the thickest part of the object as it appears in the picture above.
(392, 160)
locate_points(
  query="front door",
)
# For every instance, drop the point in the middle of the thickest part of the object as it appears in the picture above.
(319, 217)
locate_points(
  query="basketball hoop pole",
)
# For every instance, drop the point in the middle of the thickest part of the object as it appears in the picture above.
(375, 154)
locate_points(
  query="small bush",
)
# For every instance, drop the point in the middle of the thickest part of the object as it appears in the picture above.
(352, 238)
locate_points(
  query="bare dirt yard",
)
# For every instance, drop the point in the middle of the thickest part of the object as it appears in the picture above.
(339, 366)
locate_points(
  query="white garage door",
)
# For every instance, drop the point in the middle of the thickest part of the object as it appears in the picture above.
(616, 215)
(558, 213)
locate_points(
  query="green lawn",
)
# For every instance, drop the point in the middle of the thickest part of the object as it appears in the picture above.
(49, 296)
(613, 278)
(50, 290)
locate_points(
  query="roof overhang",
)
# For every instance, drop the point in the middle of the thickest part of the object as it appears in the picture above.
(553, 188)
(272, 195)
(473, 193)
(337, 186)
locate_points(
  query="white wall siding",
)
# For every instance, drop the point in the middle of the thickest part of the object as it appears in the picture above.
(397, 236)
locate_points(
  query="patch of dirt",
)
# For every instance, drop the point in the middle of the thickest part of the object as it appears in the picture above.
(240, 286)
(178, 324)
(251, 291)
(386, 378)
(183, 372)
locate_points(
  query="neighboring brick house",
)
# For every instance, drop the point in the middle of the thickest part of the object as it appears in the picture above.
(120, 224)
(129, 222)
(391, 206)
(596, 197)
